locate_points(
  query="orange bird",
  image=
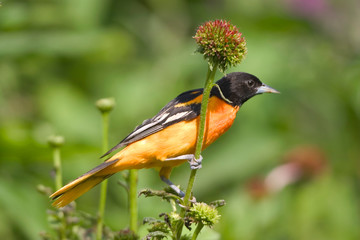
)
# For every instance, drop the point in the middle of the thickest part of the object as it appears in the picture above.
(169, 138)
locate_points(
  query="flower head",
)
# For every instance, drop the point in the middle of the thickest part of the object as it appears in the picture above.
(207, 215)
(56, 141)
(221, 44)
(105, 104)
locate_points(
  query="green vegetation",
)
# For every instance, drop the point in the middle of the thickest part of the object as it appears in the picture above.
(59, 57)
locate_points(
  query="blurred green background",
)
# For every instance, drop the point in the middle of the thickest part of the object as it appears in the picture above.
(58, 57)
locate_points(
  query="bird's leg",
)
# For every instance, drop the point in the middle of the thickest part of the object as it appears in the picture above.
(194, 163)
(175, 188)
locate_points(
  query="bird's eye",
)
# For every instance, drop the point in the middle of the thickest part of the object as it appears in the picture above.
(250, 83)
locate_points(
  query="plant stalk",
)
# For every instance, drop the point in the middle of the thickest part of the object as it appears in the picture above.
(133, 208)
(103, 190)
(58, 185)
(57, 167)
(209, 83)
(198, 229)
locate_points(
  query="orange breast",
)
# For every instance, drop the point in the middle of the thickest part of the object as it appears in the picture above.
(177, 139)
(220, 117)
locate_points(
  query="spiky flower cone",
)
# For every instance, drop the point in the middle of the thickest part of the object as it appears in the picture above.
(221, 44)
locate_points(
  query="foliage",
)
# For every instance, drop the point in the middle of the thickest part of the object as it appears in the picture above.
(197, 214)
(69, 223)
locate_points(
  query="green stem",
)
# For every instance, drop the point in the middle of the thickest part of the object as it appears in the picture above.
(197, 231)
(62, 230)
(133, 208)
(103, 190)
(58, 185)
(57, 166)
(201, 130)
(200, 138)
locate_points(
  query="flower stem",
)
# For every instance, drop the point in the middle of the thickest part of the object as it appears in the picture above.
(200, 138)
(103, 190)
(57, 167)
(58, 185)
(133, 208)
(197, 231)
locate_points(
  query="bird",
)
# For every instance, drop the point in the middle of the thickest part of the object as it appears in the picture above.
(168, 139)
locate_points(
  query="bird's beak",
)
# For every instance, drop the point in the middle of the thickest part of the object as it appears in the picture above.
(266, 89)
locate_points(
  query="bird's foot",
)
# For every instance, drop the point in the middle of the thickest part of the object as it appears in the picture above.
(195, 163)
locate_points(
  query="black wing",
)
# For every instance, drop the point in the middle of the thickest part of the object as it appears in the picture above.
(184, 107)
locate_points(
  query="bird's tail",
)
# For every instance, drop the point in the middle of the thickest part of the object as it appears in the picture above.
(82, 184)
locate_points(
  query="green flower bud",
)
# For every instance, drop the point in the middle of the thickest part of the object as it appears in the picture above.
(44, 190)
(105, 104)
(221, 44)
(174, 216)
(207, 215)
(56, 141)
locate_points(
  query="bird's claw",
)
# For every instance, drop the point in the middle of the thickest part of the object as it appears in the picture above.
(192, 200)
(195, 163)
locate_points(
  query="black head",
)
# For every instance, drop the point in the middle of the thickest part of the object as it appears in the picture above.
(238, 87)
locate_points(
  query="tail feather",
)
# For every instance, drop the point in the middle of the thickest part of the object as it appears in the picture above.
(82, 184)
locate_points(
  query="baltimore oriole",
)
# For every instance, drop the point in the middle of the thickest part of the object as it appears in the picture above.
(168, 139)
